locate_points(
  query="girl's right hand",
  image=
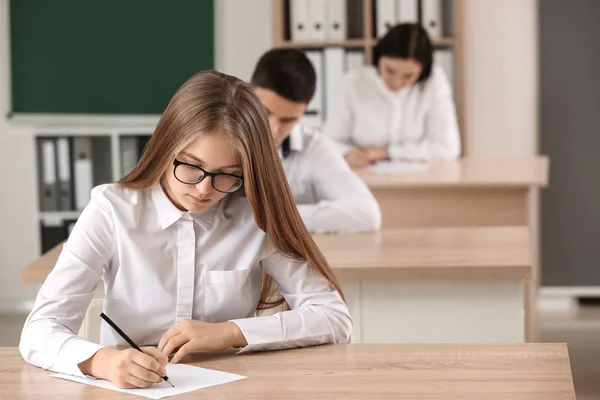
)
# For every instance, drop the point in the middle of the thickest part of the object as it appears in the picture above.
(128, 369)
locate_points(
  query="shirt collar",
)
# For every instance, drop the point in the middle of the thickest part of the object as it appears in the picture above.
(296, 138)
(169, 214)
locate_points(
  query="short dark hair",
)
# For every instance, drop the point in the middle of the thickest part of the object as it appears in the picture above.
(287, 72)
(406, 41)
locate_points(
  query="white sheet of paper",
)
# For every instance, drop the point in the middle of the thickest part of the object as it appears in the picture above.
(398, 166)
(186, 378)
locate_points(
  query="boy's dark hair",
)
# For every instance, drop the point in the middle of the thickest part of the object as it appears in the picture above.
(406, 41)
(287, 72)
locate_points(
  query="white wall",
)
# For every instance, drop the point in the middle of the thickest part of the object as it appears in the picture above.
(18, 240)
(501, 71)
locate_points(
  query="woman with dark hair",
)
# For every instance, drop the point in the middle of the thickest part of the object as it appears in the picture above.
(399, 108)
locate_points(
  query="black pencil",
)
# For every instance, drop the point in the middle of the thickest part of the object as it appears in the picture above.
(131, 342)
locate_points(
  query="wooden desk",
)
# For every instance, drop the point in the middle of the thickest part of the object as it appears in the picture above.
(418, 285)
(400, 371)
(435, 285)
(467, 192)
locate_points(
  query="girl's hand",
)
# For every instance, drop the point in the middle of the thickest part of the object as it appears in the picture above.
(190, 336)
(128, 369)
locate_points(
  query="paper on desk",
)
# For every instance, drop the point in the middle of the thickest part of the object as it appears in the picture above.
(398, 166)
(186, 378)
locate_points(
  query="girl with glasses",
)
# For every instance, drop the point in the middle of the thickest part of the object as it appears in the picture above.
(198, 237)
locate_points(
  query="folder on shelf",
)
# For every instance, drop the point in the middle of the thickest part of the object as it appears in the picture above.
(336, 20)
(315, 106)
(334, 75)
(65, 183)
(83, 171)
(317, 13)
(432, 17)
(49, 200)
(52, 233)
(385, 16)
(129, 154)
(407, 11)
(445, 59)
(354, 60)
(299, 22)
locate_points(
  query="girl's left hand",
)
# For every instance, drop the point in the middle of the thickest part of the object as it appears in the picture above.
(190, 336)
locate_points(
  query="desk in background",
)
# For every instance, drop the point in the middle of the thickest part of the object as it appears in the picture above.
(415, 285)
(466, 192)
(398, 371)
(435, 284)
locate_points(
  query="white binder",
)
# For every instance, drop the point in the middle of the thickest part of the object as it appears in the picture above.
(315, 107)
(63, 151)
(445, 59)
(317, 13)
(334, 75)
(354, 60)
(48, 188)
(83, 169)
(385, 16)
(336, 20)
(407, 11)
(299, 22)
(432, 17)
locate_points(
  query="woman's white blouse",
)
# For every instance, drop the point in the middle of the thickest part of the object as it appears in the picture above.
(417, 123)
(160, 265)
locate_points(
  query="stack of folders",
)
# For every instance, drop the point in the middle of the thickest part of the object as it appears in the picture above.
(68, 169)
(391, 12)
(331, 64)
(65, 173)
(318, 20)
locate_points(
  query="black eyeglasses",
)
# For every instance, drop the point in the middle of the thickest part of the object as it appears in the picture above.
(192, 175)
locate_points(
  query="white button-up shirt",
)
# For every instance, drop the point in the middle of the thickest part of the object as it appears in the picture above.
(417, 123)
(329, 195)
(160, 265)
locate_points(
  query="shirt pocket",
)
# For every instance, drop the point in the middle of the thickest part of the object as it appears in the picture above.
(231, 294)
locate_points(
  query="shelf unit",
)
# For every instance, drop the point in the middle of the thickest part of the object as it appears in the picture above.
(55, 222)
(366, 43)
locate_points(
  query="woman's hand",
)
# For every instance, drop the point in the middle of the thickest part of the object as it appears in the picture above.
(190, 336)
(128, 369)
(357, 157)
(377, 154)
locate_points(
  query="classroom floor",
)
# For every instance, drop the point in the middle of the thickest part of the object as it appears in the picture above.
(580, 330)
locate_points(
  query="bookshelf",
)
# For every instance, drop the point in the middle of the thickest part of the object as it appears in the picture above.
(108, 154)
(361, 25)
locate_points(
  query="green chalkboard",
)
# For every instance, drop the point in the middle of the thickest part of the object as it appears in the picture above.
(106, 56)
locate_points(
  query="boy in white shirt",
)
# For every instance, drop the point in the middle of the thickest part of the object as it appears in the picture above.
(329, 195)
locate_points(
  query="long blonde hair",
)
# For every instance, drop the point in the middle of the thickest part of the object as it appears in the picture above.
(211, 101)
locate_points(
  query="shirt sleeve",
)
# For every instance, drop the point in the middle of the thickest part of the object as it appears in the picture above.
(344, 202)
(442, 138)
(339, 122)
(49, 338)
(318, 314)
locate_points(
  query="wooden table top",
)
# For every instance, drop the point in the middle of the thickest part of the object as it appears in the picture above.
(465, 253)
(510, 172)
(454, 253)
(532, 371)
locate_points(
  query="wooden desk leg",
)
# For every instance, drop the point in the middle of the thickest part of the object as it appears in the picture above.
(527, 303)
